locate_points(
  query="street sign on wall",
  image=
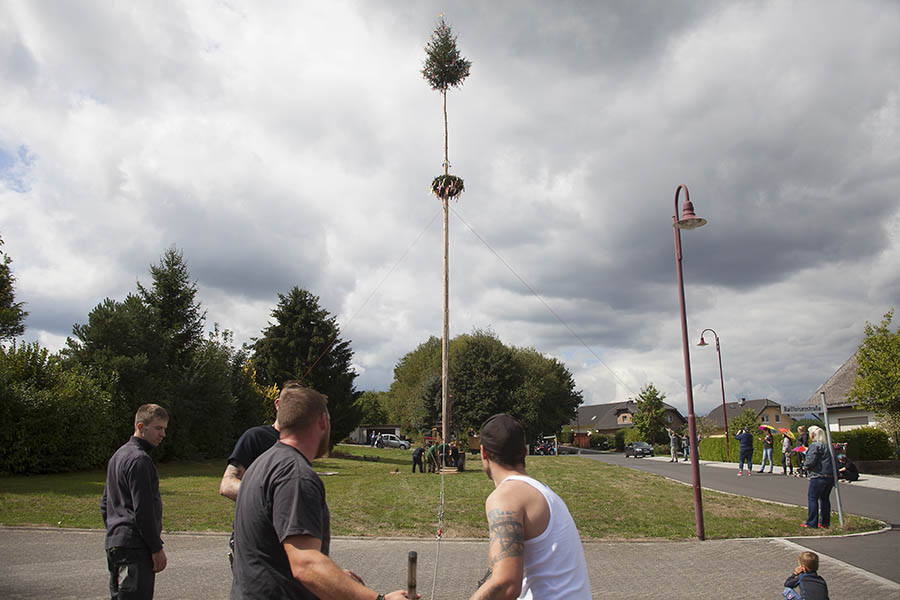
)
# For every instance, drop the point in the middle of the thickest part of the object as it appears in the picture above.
(799, 411)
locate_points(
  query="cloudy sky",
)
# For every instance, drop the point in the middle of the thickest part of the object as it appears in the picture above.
(292, 143)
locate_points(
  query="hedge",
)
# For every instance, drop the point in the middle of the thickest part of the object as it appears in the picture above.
(865, 443)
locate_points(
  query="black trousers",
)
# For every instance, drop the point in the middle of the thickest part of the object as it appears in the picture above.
(131, 575)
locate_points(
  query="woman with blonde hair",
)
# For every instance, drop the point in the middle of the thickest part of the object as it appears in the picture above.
(818, 464)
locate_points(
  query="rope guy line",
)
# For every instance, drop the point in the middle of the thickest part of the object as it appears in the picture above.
(542, 301)
(374, 291)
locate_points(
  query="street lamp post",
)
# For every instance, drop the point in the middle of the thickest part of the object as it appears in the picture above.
(688, 221)
(721, 379)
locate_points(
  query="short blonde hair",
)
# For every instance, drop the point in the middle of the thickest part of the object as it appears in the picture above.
(148, 412)
(299, 407)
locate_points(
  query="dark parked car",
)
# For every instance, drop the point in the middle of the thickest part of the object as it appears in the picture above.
(638, 449)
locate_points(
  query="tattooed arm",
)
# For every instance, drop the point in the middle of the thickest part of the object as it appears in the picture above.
(231, 481)
(507, 548)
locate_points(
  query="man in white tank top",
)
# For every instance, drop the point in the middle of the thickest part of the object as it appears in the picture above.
(535, 549)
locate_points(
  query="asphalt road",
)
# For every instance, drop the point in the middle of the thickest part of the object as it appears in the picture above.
(873, 553)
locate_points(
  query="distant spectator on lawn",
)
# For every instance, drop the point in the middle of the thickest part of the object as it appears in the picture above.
(131, 508)
(417, 458)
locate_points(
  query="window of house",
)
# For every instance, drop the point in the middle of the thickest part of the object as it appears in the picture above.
(765, 418)
(668, 418)
(778, 418)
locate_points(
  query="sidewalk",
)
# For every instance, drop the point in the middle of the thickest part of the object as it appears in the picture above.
(878, 482)
(56, 563)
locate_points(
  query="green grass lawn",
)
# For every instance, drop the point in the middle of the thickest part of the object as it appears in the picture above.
(608, 502)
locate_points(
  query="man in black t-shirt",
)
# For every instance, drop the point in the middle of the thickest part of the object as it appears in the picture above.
(249, 446)
(282, 528)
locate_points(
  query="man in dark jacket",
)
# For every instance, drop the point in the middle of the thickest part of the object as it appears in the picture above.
(746, 453)
(131, 508)
(417, 458)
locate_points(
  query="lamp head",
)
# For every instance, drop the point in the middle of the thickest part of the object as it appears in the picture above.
(702, 342)
(688, 219)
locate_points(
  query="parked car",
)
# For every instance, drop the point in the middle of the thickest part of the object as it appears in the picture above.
(389, 440)
(638, 449)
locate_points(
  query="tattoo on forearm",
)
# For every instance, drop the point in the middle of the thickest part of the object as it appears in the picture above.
(484, 579)
(507, 535)
(236, 471)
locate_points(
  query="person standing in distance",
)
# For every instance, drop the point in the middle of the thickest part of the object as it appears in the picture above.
(535, 549)
(282, 526)
(131, 508)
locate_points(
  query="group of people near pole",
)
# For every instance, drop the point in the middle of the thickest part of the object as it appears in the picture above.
(435, 456)
(282, 524)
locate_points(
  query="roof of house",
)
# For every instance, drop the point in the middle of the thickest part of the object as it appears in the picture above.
(733, 409)
(605, 416)
(838, 386)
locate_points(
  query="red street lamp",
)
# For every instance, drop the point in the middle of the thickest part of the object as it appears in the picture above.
(722, 380)
(688, 221)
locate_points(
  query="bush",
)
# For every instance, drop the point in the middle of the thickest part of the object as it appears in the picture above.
(51, 419)
(663, 450)
(602, 441)
(567, 435)
(865, 443)
(620, 440)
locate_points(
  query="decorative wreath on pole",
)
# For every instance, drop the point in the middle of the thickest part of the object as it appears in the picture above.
(447, 187)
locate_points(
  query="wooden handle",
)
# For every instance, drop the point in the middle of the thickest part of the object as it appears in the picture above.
(411, 575)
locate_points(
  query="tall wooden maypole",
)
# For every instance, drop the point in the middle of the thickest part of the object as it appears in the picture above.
(444, 68)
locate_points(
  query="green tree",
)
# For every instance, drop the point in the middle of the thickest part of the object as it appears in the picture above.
(410, 376)
(177, 315)
(650, 414)
(12, 317)
(152, 347)
(371, 411)
(745, 420)
(706, 427)
(119, 341)
(546, 399)
(428, 411)
(53, 418)
(877, 383)
(303, 343)
(483, 381)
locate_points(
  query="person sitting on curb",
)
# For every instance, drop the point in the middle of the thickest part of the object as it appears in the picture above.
(847, 471)
(806, 577)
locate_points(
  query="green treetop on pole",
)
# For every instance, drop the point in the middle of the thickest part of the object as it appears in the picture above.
(444, 68)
